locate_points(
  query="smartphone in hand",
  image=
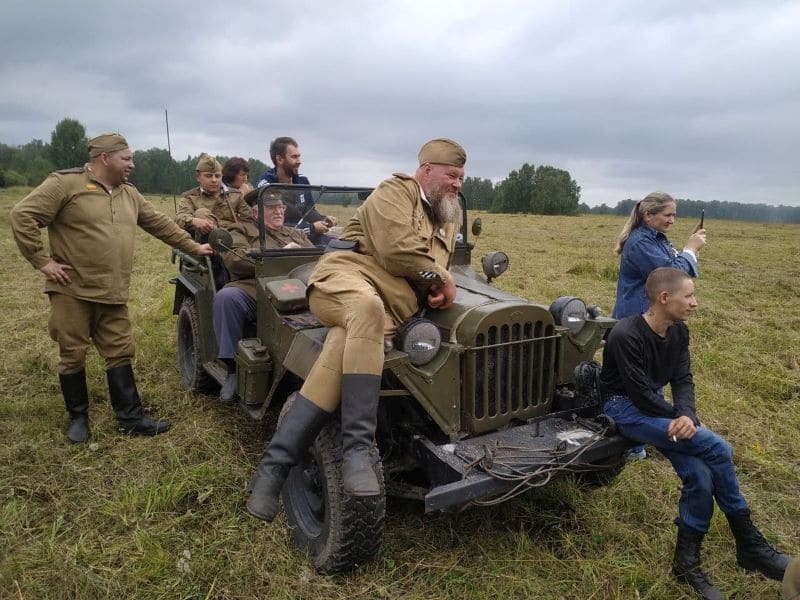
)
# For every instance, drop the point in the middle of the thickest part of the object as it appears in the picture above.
(702, 218)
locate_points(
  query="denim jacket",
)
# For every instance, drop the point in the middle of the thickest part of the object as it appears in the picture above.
(644, 251)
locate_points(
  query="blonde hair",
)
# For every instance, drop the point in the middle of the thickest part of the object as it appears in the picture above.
(652, 204)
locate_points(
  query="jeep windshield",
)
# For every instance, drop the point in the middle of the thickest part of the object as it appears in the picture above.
(339, 202)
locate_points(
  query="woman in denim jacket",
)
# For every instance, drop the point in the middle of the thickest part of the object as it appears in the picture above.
(643, 247)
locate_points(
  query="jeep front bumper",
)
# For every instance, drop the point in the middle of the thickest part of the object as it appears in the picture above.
(516, 459)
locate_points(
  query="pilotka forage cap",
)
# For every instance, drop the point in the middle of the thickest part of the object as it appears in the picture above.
(270, 197)
(106, 143)
(444, 152)
(208, 164)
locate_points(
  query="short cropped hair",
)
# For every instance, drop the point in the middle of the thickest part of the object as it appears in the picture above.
(278, 148)
(664, 279)
(232, 167)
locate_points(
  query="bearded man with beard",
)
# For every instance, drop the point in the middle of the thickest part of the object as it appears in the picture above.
(400, 242)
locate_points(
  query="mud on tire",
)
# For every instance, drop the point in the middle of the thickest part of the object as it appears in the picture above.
(193, 376)
(339, 531)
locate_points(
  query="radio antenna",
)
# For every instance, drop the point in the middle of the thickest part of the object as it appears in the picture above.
(171, 164)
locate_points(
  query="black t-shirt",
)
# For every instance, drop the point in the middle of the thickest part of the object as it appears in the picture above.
(637, 362)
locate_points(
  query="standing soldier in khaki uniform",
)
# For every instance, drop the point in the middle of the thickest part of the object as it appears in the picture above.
(211, 204)
(235, 304)
(403, 237)
(91, 214)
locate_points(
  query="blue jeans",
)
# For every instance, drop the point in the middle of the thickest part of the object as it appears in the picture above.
(704, 463)
(233, 308)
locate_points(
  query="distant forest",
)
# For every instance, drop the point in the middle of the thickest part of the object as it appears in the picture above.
(484, 195)
(545, 189)
(156, 171)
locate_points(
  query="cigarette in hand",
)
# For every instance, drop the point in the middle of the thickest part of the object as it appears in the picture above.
(674, 439)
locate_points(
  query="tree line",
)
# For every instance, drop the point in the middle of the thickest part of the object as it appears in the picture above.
(714, 209)
(156, 171)
(544, 190)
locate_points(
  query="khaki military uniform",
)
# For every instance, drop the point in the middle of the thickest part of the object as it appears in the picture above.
(245, 237)
(93, 231)
(224, 208)
(365, 295)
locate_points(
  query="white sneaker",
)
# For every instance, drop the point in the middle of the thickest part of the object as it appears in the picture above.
(635, 454)
(227, 392)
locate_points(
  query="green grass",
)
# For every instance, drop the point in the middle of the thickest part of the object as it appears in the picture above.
(164, 518)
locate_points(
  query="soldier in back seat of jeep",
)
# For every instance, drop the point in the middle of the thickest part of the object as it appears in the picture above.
(235, 304)
(211, 204)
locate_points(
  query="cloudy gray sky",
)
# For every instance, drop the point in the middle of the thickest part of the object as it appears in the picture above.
(700, 99)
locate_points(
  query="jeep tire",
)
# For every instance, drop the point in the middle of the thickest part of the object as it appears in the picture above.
(193, 375)
(592, 480)
(339, 531)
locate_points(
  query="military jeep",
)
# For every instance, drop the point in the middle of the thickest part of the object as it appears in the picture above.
(479, 402)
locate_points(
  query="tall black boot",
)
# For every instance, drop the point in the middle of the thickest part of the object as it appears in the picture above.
(127, 405)
(753, 552)
(76, 399)
(296, 431)
(686, 564)
(359, 420)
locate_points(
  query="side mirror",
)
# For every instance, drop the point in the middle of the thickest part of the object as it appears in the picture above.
(220, 240)
(494, 264)
(477, 227)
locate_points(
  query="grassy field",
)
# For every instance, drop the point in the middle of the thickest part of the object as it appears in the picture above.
(163, 517)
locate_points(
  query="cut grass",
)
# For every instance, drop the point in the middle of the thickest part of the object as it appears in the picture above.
(163, 517)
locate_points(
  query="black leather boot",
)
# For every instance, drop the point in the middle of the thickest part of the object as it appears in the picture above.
(76, 399)
(127, 405)
(359, 420)
(686, 564)
(296, 431)
(753, 552)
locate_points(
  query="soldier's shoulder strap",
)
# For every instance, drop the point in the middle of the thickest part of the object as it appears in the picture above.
(72, 170)
(402, 176)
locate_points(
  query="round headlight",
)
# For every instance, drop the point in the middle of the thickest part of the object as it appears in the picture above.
(494, 264)
(420, 339)
(570, 312)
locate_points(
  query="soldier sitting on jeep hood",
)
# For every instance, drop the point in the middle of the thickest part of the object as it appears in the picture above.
(235, 304)
(404, 234)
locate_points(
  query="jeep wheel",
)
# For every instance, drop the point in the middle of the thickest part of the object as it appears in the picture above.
(339, 531)
(597, 479)
(193, 376)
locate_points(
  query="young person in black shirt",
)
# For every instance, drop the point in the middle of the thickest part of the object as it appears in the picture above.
(643, 354)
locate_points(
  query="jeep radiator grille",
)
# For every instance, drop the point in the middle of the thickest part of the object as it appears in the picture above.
(509, 373)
